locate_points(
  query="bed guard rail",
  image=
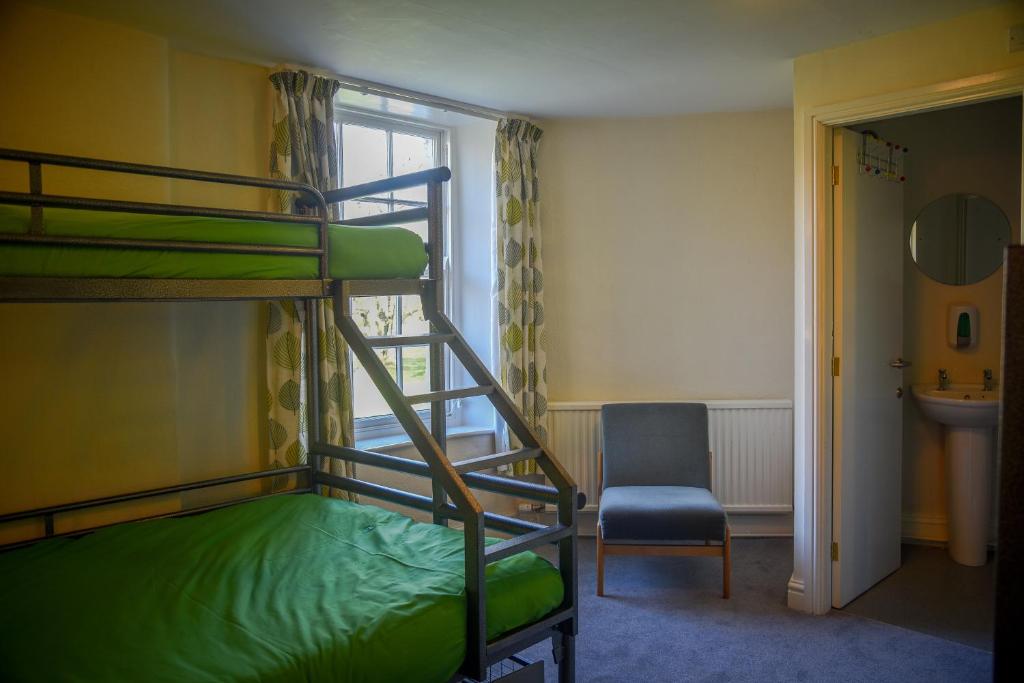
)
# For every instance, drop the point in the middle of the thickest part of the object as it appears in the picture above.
(441, 174)
(38, 200)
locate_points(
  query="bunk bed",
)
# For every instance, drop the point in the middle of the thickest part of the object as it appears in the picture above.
(289, 585)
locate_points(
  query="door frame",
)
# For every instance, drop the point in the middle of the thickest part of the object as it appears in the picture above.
(810, 587)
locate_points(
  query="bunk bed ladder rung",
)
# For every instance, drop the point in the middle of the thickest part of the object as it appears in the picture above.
(484, 462)
(527, 541)
(450, 394)
(415, 340)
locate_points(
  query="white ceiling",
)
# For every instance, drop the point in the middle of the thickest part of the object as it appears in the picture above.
(539, 57)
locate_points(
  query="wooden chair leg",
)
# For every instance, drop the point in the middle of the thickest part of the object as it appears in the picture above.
(726, 562)
(600, 563)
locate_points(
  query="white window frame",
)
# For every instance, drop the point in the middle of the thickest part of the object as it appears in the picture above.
(387, 425)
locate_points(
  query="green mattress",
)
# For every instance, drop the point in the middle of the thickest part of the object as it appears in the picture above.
(353, 252)
(288, 588)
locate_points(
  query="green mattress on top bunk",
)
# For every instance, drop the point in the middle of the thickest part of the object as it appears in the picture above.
(353, 252)
(287, 588)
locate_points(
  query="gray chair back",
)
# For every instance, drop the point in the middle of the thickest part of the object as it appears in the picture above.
(655, 444)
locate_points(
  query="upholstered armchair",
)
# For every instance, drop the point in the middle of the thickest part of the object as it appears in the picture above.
(655, 482)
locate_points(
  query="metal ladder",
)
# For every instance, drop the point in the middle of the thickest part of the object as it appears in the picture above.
(451, 481)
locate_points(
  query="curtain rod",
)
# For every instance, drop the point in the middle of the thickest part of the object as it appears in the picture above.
(413, 96)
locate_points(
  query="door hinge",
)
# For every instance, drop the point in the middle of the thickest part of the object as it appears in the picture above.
(835, 366)
(835, 176)
(835, 551)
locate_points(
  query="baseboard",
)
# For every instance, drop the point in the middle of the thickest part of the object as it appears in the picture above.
(932, 530)
(747, 522)
(927, 528)
(796, 595)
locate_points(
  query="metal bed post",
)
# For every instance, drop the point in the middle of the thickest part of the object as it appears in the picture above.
(435, 272)
(35, 186)
(313, 432)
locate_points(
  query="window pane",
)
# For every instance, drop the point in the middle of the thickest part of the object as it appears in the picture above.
(415, 370)
(420, 227)
(357, 209)
(412, 316)
(364, 154)
(371, 153)
(376, 316)
(367, 401)
(411, 153)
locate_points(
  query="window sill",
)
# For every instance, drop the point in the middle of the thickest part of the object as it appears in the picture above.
(390, 441)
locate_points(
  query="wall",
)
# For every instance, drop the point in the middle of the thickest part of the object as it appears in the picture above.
(668, 251)
(472, 144)
(100, 399)
(962, 48)
(974, 149)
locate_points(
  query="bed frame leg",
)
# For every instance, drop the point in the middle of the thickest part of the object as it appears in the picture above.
(726, 563)
(563, 648)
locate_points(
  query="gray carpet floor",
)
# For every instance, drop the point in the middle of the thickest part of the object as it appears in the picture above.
(663, 619)
(933, 594)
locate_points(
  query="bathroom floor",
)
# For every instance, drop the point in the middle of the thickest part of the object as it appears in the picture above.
(933, 594)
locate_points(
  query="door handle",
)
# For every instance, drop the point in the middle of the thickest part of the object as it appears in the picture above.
(899, 363)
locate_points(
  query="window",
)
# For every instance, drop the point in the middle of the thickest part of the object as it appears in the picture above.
(372, 148)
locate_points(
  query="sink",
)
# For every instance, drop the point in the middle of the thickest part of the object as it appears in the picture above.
(969, 415)
(959, 405)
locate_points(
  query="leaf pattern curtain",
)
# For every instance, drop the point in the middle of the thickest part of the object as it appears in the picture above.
(305, 148)
(520, 275)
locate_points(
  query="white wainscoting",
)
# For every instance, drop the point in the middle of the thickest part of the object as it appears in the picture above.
(752, 443)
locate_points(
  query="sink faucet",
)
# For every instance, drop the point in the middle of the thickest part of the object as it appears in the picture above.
(943, 379)
(988, 380)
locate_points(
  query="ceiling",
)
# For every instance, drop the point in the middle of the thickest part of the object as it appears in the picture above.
(539, 57)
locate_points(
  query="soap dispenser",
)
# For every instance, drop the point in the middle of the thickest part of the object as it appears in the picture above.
(963, 326)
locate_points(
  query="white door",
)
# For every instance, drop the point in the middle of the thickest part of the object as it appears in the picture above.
(868, 342)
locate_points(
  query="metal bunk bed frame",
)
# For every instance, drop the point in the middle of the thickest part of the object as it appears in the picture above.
(451, 481)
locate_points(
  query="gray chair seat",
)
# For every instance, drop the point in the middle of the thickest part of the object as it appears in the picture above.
(660, 515)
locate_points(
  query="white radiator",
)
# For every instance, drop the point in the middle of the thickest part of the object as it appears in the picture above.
(752, 443)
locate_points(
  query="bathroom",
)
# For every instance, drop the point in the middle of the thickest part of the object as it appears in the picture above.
(956, 175)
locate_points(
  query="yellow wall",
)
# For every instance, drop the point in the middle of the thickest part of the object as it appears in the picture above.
(100, 399)
(969, 45)
(668, 244)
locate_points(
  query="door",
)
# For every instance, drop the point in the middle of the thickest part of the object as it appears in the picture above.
(867, 382)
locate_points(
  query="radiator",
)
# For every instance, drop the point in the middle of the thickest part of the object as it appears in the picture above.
(752, 443)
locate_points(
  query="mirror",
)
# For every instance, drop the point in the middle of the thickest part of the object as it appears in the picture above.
(959, 239)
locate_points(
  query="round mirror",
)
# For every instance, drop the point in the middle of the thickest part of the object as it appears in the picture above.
(958, 239)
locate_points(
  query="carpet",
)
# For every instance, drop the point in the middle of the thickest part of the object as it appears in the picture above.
(663, 619)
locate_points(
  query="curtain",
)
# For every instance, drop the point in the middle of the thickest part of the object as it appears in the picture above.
(520, 275)
(305, 148)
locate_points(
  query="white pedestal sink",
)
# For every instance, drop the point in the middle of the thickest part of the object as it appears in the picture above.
(969, 415)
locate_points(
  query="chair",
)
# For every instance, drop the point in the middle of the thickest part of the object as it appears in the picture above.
(654, 474)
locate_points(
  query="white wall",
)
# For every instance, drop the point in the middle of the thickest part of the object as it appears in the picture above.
(974, 149)
(668, 256)
(472, 183)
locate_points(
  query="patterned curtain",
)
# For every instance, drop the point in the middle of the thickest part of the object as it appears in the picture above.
(304, 148)
(520, 276)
